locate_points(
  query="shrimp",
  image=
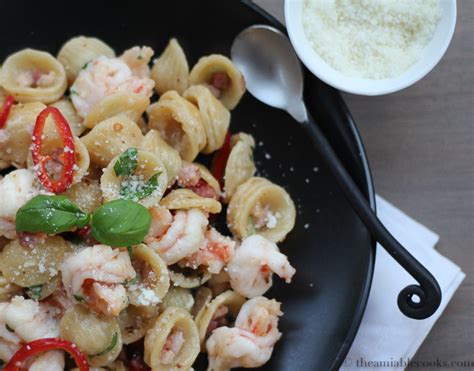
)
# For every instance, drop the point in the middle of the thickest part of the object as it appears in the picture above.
(250, 343)
(260, 316)
(137, 59)
(52, 360)
(161, 220)
(103, 77)
(24, 320)
(215, 252)
(182, 238)
(250, 269)
(16, 189)
(174, 343)
(94, 276)
(234, 347)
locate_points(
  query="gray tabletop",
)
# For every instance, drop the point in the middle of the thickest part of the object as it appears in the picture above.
(420, 147)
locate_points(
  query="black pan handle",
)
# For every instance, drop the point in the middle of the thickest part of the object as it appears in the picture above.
(428, 291)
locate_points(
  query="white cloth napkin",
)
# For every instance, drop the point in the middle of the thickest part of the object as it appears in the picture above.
(386, 337)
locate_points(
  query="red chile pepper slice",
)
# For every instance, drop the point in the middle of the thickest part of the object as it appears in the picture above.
(5, 110)
(35, 347)
(66, 156)
(220, 160)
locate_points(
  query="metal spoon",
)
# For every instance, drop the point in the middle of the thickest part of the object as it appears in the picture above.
(273, 75)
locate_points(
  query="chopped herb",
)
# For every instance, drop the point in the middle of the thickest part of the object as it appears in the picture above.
(112, 345)
(9, 328)
(130, 251)
(79, 298)
(251, 226)
(72, 92)
(35, 292)
(140, 57)
(127, 162)
(135, 190)
(85, 65)
(133, 281)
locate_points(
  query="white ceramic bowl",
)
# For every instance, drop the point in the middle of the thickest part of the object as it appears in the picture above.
(432, 54)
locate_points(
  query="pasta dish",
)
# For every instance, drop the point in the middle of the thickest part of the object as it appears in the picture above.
(114, 250)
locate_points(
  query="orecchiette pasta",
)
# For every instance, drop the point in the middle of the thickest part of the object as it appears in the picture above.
(179, 123)
(130, 105)
(99, 337)
(219, 283)
(178, 297)
(215, 117)
(174, 326)
(110, 138)
(187, 199)
(171, 70)
(153, 278)
(259, 206)
(40, 292)
(221, 311)
(7, 289)
(149, 167)
(135, 321)
(221, 76)
(167, 154)
(15, 136)
(33, 76)
(201, 299)
(79, 51)
(69, 112)
(33, 265)
(240, 165)
(108, 233)
(86, 194)
(187, 278)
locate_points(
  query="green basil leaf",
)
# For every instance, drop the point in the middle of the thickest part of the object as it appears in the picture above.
(135, 190)
(127, 162)
(50, 214)
(130, 251)
(111, 346)
(35, 292)
(120, 223)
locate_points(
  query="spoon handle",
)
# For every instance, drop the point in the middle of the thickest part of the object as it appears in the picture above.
(428, 289)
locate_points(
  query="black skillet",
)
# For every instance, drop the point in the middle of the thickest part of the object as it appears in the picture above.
(331, 249)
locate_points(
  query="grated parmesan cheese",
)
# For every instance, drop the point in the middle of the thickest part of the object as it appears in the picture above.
(146, 296)
(370, 38)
